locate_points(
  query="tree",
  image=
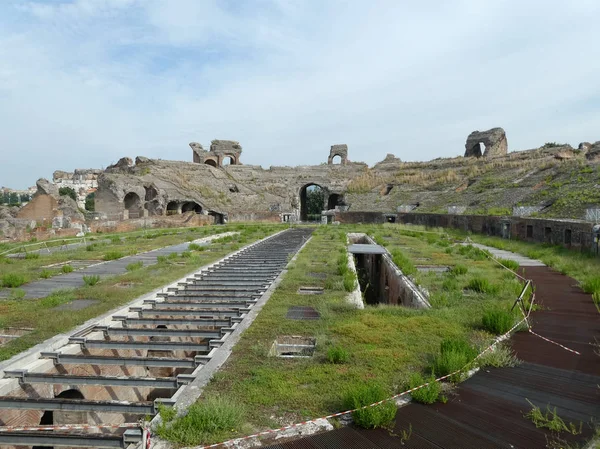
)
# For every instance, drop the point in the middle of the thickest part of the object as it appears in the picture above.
(13, 198)
(90, 202)
(25, 197)
(67, 191)
(315, 199)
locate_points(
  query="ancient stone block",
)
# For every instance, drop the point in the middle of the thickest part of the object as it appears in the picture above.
(493, 141)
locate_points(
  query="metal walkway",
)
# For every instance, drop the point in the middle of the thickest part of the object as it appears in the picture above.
(181, 329)
(487, 412)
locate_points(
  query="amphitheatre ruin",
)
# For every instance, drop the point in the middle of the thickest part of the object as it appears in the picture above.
(341, 304)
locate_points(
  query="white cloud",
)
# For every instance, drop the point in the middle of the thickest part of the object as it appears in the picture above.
(85, 82)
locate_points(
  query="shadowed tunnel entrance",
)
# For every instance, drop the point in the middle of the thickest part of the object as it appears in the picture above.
(312, 202)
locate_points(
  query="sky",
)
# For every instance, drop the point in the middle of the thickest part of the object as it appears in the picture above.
(86, 82)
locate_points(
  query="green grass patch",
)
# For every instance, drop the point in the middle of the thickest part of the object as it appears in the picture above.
(459, 270)
(91, 280)
(45, 274)
(498, 357)
(510, 264)
(133, 266)
(113, 255)
(591, 285)
(13, 280)
(66, 269)
(337, 355)
(498, 321)
(32, 256)
(403, 262)
(210, 421)
(455, 354)
(425, 395)
(370, 417)
(482, 285)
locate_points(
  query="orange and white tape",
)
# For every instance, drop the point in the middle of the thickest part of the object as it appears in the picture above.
(555, 343)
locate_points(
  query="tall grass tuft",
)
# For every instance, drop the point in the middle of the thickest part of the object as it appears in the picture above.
(455, 353)
(210, 421)
(11, 280)
(337, 355)
(425, 395)
(403, 262)
(497, 321)
(482, 285)
(113, 255)
(510, 264)
(91, 280)
(370, 417)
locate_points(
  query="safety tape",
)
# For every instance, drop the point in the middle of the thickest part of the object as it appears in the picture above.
(555, 343)
(470, 242)
(334, 415)
(69, 427)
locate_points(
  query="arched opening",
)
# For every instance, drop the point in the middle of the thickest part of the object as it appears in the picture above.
(172, 208)
(133, 204)
(334, 200)
(312, 202)
(151, 193)
(478, 149)
(228, 160)
(211, 162)
(336, 160)
(219, 218)
(191, 206)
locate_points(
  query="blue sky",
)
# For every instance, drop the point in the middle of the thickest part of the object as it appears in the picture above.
(86, 82)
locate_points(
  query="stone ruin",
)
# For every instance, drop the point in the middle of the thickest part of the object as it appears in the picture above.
(493, 142)
(338, 150)
(220, 151)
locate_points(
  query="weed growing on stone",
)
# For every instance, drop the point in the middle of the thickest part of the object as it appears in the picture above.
(91, 280)
(45, 274)
(66, 269)
(551, 420)
(133, 266)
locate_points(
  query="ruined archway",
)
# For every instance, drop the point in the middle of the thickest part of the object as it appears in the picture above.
(229, 160)
(336, 160)
(211, 162)
(219, 218)
(334, 200)
(191, 206)
(133, 204)
(172, 208)
(312, 202)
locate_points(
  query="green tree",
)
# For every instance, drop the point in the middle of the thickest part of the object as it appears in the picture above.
(90, 202)
(315, 199)
(13, 198)
(67, 191)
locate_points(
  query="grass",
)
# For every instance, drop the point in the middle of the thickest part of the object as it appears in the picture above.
(13, 280)
(499, 357)
(387, 344)
(91, 280)
(45, 274)
(369, 417)
(425, 395)
(455, 354)
(66, 269)
(498, 321)
(113, 255)
(481, 285)
(510, 264)
(550, 420)
(591, 285)
(337, 355)
(459, 270)
(213, 420)
(133, 266)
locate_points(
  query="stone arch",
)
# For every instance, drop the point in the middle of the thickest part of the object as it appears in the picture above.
(219, 218)
(173, 208)
(336, 160)
(211, 162)
(228, 160)
(306, 209)
(190, 206)
(133, 204)
(338, 150)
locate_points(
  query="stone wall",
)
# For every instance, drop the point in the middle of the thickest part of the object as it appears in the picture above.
(40, 208)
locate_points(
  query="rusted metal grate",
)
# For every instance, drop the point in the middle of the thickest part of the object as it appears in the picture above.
(302, 313)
